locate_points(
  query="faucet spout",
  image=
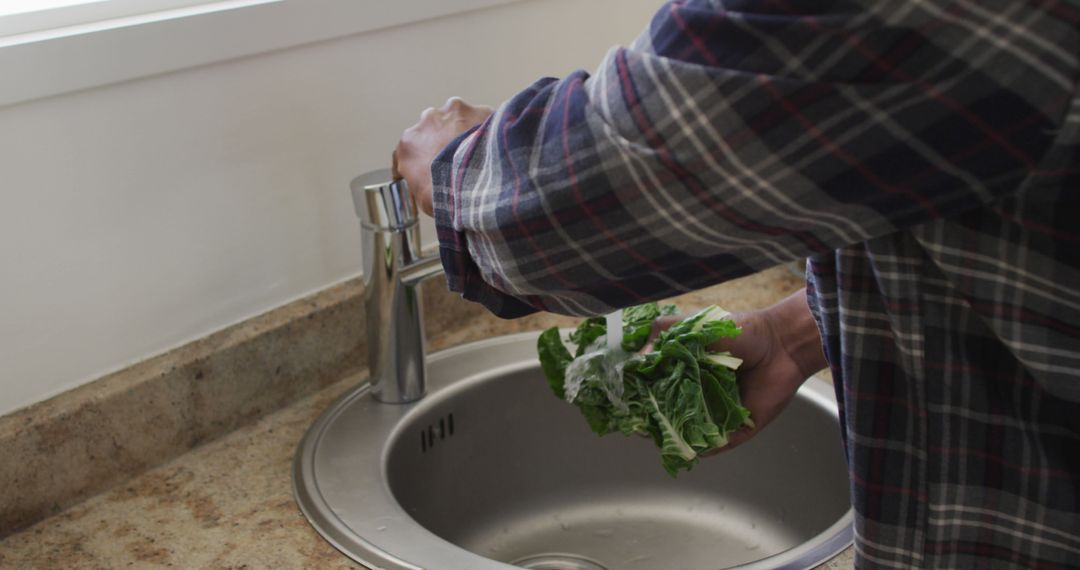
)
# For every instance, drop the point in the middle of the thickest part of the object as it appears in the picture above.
(394, 267)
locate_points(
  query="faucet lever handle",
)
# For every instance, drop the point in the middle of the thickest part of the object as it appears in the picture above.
(382, 202)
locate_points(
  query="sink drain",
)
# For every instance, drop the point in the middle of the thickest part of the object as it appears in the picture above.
(557, 562)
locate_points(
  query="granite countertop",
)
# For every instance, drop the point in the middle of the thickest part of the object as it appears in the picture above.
(229, 503)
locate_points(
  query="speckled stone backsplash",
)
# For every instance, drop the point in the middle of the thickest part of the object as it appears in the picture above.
(105, 439)
(66, 449)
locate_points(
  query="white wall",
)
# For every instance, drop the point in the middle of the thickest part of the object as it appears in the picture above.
(139, 216)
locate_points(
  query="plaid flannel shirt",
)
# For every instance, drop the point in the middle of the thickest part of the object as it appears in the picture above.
(924, 154)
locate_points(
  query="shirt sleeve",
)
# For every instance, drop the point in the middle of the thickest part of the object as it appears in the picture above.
(732, 136)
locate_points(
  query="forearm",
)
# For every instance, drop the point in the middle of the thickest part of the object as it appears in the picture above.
(681, 164)
(796, 331)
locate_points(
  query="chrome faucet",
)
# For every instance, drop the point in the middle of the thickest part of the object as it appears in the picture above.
(393, 268)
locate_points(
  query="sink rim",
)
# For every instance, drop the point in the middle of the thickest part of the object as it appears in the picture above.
(375, 548)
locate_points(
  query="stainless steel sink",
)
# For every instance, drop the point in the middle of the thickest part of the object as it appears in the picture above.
(491, 471)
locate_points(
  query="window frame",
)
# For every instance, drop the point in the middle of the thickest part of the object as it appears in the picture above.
(53, 61)
(87, 12)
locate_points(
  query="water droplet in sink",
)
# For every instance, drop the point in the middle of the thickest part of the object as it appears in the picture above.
(380, 528)
(562, 524)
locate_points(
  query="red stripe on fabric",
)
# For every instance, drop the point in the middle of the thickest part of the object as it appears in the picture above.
(568, 161)
(883, 488)
(992, 476)
(1055, 173)
(972, 371)
(466, 159)
(982, 145)
(890, 400)
(508, 120)
(988, 550)
(982, 454)
(1064, 10)
(1026, 316)
(764, 121)
(856, 282)
(657, 143)
(1041, 228)
(598, 222)
(877, 456)
(695, 40)
(645, 126)
(460, 252)
(632, 103)
(679, 171)
(895, 306)
(840, 153)
(873, 58)
(537, 302)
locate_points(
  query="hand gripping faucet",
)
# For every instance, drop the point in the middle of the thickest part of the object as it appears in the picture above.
(393, 268)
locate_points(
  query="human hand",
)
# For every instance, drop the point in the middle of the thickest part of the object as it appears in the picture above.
(422, 142)
(780, 348)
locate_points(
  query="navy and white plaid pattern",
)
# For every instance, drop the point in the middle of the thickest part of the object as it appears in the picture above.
(925, 154)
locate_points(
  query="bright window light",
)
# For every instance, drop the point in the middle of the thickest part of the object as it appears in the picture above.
(9, 7)
(29, 16)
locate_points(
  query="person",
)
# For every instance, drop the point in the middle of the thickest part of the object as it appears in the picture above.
(925, 157)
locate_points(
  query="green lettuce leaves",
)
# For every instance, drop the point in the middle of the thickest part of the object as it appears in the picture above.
(680, 393)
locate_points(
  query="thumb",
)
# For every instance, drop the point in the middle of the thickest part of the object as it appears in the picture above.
(660, 325)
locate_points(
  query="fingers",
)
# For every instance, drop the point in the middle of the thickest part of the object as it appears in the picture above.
(453, 116)
(663, 323)
(422, 142)
(456, 109)
(457, 104)
(735, 439)
(660, 325)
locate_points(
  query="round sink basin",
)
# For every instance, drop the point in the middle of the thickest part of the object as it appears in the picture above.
(491, 471)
